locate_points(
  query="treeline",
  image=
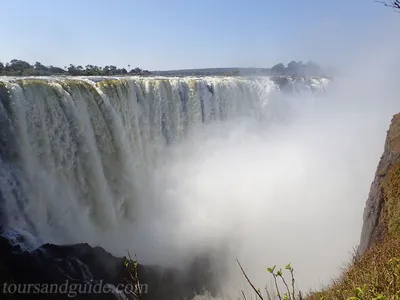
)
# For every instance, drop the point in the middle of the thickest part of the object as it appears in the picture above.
(299, 69)
(18, 67)
(293, 68)
(200, 72)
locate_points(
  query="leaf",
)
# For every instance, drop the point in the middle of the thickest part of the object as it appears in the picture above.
(380, 297)
(359, 292)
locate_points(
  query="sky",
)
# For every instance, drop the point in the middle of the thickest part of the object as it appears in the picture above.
(180, 34)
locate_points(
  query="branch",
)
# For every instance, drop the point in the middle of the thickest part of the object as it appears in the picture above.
(248, 280)
(287, 287)
(268, 295)
(132, 266)
(276, 285)
(395, 5)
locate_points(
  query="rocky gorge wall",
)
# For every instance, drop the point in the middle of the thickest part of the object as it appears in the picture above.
(382, 210)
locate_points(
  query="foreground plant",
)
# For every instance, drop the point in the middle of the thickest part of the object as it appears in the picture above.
(290, 293)
(132, 267)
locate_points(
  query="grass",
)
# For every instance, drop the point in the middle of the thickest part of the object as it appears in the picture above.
(375, 275)
(391, 191)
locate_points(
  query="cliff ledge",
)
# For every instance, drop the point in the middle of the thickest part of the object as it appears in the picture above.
(382, 210)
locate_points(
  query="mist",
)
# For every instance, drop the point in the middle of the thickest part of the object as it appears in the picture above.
(272, 193)
(286, 186)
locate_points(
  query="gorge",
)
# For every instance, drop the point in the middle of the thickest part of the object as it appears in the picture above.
(175, 168)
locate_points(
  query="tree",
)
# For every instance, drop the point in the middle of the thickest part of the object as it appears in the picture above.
(278, 69)
(56, 70)
(293, 65)
(72, 70)
(96, 70)
(18, 66)
(395, 4)
(106, 70)
(312, 69)
(39, 67)
(293, 68)
(90, 70)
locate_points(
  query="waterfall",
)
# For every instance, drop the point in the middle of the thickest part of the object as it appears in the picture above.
(77, 153)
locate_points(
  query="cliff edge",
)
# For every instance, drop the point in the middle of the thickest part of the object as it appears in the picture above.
(374, 273)
(382, 210)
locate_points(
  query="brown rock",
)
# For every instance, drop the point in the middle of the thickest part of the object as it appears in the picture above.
(375, 225)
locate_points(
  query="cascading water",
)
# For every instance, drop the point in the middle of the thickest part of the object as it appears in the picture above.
(80, 157)
(78, 151)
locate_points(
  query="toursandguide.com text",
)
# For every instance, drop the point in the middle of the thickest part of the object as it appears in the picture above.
(72, 289)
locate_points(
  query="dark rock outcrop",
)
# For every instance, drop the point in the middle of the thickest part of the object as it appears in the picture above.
(375, 226)
(83, 266)
(283, 82)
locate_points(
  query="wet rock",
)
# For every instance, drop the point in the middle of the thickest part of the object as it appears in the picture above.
(93, 266)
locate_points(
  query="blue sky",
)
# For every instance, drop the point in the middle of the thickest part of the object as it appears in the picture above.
(176, 34)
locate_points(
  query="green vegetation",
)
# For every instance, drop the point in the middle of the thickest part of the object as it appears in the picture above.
(293, 68)
(18, 67)
(300, 69)
(289, 286)
(132, 267)
(375, 275)
(391, 190)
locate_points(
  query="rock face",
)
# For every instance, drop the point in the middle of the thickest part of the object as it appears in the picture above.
(83, 266)
(382, 206)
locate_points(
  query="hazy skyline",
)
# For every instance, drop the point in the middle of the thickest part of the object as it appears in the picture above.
(182, 34)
